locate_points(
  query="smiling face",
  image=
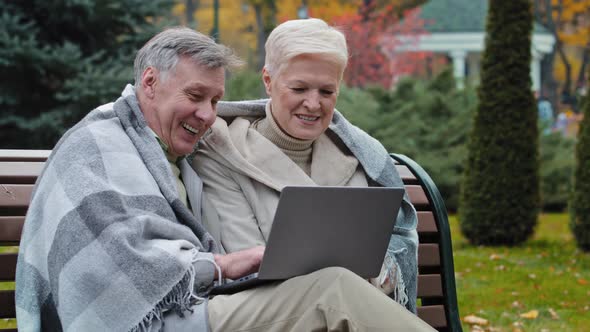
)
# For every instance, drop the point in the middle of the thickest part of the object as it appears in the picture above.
(303, 95)
(182, 107)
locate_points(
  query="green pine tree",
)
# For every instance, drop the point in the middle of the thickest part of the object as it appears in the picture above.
(580, 202)
(500, 189)
(60, 59)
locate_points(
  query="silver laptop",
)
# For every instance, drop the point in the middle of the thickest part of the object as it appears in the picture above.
(316, 227)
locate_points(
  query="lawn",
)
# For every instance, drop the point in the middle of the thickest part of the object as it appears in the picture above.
(546, 279)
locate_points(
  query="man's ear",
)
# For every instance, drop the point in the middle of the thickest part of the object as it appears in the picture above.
(149, 79)
(267, 80)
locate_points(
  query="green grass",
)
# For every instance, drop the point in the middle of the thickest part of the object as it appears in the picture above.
(546, 273)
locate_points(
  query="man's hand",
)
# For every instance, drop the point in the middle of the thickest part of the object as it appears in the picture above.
(240, 263)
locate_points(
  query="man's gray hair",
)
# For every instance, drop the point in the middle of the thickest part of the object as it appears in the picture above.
(165, 49)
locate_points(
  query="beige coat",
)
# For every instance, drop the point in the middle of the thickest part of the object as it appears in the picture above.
(243, 174)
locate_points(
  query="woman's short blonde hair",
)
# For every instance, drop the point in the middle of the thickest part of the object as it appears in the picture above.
(306, 36)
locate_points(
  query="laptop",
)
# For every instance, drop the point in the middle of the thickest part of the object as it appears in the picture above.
(315, 227)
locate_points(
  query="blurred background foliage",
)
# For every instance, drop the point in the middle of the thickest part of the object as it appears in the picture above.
(429, 121)
(59, 59)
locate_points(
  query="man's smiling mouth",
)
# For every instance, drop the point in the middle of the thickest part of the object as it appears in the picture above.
(190, 129)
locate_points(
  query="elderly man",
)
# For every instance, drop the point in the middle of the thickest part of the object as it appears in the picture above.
(113, 239)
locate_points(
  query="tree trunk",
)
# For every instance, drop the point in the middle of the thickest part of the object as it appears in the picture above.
(190, 9)
(544, 13)
(260, 37)
(581, 81)
(566, 90)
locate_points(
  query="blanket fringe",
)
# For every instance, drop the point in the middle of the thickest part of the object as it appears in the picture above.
(179, 299)
(392, 275)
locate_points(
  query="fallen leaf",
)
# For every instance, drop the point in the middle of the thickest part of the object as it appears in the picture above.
(582, 282)
(553, 314)
(533, 314)
(474, 320)
(516, 304)
(477, 328)
(532, 276)
(494, 257)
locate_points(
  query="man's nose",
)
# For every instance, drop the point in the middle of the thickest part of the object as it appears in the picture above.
(206, 113)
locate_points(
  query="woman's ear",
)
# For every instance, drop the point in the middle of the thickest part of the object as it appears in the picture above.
(266, 80)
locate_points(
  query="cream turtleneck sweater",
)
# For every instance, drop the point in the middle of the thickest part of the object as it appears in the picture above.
(298, 150)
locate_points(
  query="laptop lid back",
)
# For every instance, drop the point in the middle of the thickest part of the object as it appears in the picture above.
(318, 227)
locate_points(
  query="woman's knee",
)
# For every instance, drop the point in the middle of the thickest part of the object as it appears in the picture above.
(338, 274)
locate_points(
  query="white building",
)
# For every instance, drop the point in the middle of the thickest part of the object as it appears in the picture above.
(457, 29)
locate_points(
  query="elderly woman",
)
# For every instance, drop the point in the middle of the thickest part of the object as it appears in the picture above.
(297, 138)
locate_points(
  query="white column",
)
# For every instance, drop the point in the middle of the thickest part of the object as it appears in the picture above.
(459, 67)
(536, 70)
(473, 59)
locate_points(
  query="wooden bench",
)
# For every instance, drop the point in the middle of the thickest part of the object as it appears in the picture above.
(436, 281)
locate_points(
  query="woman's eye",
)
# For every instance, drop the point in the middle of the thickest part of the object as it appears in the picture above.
(298, 89)
(326, 92)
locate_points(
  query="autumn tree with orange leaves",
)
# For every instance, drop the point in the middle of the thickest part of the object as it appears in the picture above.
(371, 27)
(569, 23)
(374, 34)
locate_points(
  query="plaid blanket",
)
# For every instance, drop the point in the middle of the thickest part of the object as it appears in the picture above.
(107, 244)
(401, 261)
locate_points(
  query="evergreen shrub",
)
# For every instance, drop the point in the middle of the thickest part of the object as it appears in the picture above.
(61, 59)
(500, 192)
(580, 203)
(244, 85)
(425, 120)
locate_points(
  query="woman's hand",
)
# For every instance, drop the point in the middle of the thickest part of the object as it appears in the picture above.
(240, 263)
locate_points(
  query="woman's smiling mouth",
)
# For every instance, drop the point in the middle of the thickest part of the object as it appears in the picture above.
(307, 117)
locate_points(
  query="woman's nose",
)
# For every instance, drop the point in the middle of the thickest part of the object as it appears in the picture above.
(312, 100)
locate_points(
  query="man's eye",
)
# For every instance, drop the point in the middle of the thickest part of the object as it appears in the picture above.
(326, 92)
(194, 97)
(299, 90)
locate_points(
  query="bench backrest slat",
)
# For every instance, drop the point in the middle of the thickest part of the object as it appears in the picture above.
(11, 229)
(24, 155)
(8, 263)
(20, 168)
(7, 307)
